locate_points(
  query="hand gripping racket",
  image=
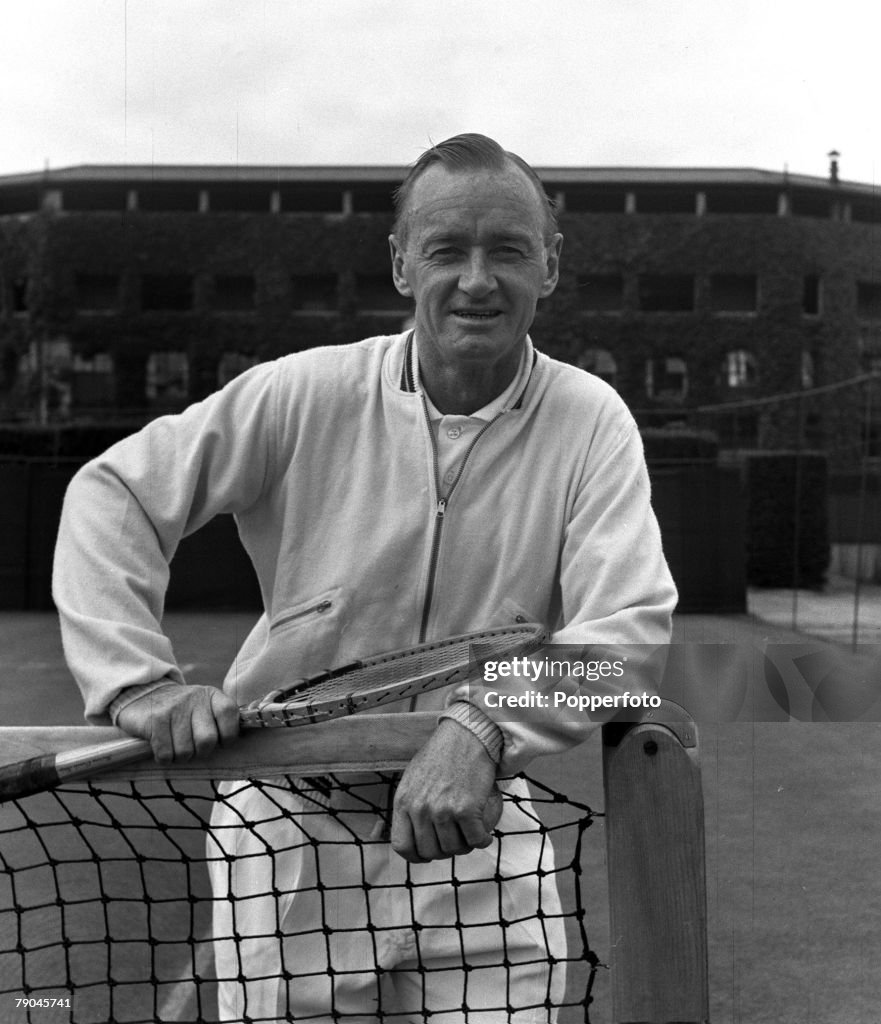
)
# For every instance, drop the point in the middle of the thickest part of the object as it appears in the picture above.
(370, 682)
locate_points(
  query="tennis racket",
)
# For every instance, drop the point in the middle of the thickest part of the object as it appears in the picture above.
(368, 683)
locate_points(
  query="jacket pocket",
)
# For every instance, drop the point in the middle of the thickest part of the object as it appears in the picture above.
(311, 610)
(302, 640)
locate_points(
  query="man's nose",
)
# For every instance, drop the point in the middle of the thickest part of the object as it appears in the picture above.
(477, 277)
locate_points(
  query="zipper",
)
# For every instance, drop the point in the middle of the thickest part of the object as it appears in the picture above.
(316, 609)
(440, 511)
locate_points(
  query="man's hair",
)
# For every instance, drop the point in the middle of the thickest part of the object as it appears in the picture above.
(468, 152)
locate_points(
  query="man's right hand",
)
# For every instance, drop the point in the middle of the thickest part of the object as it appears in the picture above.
(181, 722)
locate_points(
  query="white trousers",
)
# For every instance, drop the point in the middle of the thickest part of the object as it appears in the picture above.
(311, 922)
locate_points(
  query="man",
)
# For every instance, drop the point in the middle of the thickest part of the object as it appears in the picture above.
(396, 490)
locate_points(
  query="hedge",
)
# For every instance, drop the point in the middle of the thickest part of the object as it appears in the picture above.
(787, 519)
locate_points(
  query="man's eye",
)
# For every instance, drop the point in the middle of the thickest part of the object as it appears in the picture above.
(444, 254)
(509, 252)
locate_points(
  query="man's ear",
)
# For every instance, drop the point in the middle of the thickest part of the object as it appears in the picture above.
(553, 248)
(398, 267)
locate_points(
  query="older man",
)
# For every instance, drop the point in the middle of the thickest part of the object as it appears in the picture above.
(395, 490)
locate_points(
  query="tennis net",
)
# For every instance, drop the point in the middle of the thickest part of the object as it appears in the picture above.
(181, 898)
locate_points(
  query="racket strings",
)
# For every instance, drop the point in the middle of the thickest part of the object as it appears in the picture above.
(389, 677)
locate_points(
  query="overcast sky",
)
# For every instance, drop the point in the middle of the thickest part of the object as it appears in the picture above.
(730, 83)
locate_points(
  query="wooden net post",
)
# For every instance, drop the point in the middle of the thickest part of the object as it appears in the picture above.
(657, 873)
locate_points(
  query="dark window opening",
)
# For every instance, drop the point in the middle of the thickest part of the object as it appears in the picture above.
(373, 200)
(666, 293)
(162, 197)
(234, 293)
(595, 200)
(169, 292)
(868, 300)
(314, 292)
(311, 200)
(239, 197)
(810, 300)
(82, 198)
(741, 200)
(810, 206)
(19, 295)
(600, 293)
(866, 211)
(668, 200)
(666, 378)
(733, 293)
(21, 199)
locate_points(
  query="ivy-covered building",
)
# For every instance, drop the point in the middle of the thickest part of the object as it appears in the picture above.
(126, 292)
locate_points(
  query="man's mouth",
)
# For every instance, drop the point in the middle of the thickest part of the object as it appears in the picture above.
(478, 314)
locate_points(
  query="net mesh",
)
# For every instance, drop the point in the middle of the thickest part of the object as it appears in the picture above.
(150, 901)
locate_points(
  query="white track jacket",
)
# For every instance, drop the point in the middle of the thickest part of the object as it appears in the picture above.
(327, 461)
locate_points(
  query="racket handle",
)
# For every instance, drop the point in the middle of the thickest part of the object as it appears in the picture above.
(37, 774)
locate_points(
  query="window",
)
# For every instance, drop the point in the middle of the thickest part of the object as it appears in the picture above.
(168, 292)
(666, 378)
(600, 363)
(377, 294)
(232, 364)
(666, 293)
(318, 199)
(665, 200)
(808, 376)
(19, 296)
(97, 293)
(168, 197)
(739, 200)
(234, 293)
(868, 300)
(600, 293)
(595, 200)
(168, 377)
(93, 380)
(94, 196)
(314, 293)
(805, 204)
(866, 211)
(810, 300)
(739, 369)
(373, 200)
(733, 293)
(239, 197)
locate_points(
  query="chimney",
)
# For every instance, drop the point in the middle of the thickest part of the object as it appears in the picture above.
(833, 166)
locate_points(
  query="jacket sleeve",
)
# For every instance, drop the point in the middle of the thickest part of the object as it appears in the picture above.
(123, 517)
(616, 600)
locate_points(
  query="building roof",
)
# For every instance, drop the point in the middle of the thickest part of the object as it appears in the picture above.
(135, 174)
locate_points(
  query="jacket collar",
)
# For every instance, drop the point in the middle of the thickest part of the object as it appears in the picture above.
(408, 384)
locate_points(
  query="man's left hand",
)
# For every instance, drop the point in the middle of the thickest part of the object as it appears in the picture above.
(447, 803)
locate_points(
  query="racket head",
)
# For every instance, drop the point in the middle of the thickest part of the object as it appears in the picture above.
(392, 676)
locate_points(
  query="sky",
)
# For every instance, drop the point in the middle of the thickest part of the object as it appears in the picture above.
(640, 83)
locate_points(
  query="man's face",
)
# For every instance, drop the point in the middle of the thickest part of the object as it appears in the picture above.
(476, 258)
